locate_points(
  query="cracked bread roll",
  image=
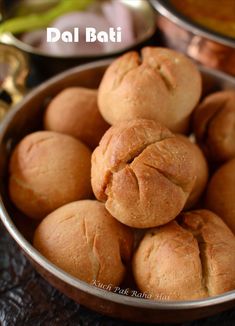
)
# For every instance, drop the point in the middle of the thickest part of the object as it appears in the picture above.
(221, 193)
(193, 258)
(48, 170)
(200, 170)
(143, 173)
(74, 111)
(214, 126)
(160, 85)
(84, 240)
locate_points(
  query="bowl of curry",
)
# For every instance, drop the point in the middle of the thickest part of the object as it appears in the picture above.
(204, 30)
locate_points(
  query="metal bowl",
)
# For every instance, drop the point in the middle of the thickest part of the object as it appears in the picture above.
(26, 117)
(49, 65)
(207, 47)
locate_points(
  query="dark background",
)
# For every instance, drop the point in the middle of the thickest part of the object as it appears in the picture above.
(28, 300)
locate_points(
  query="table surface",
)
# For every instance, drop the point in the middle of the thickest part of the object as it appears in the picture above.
(26, 299)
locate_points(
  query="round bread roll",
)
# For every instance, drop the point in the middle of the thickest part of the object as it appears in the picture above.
(200, 170)
(143, 173)
(48, 170)
(186, 260)
(74, 111)
(84, 240)
(220, 196)
(161, 85)
(214, 126)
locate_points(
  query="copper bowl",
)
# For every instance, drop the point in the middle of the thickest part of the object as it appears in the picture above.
(26, 117)
(205, 46)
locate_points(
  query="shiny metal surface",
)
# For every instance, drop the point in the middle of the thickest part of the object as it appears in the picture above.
(14, 70)
(25, 118)
(207, 47)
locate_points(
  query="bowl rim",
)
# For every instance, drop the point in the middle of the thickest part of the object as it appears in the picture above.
(11, 39)
(166, 10)
(34, 255)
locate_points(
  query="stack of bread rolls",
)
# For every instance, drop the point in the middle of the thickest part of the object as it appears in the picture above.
(119, 159)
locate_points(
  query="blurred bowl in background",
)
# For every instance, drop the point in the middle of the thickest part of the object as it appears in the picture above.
(48, 65)
(203, 45)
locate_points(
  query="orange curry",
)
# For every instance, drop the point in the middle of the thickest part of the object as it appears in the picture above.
(217, 15)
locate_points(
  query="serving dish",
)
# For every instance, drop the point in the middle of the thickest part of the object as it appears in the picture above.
(48, 65)
(206, 46)
(27, 117)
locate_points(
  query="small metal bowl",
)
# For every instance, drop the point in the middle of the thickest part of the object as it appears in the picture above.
(26, 117)
(49, 65)
(205, 46)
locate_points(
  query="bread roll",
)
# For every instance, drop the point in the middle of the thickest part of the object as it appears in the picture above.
(84, 240)
(143, 173)
(48, 170)
(220, 196)
(160, 84)
(214, 126)
(74, 111)
(200, 170)
(186, 260)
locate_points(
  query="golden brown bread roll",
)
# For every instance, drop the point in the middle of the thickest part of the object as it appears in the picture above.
(161, 85)
(220, 196)
(48, 170)
(190, 259)
(84, 240)
(74, 111)
(214, 125)
(200, 170)
(143, 173)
